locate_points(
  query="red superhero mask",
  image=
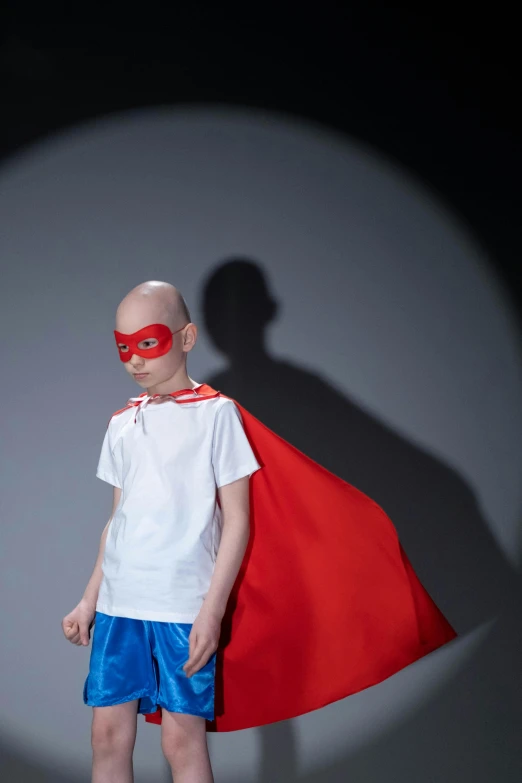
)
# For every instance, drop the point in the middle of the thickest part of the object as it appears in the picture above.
(159, 332)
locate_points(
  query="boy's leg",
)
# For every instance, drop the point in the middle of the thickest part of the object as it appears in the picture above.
(113, 737)
(184, 744)
(186, 703)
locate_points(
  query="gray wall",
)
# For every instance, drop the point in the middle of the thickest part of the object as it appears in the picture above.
(358, 290)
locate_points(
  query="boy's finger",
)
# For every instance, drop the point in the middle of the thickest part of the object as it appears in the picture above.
(68, 628)
(198, 661)
(84, 635)
(194, 652)
(193, 645)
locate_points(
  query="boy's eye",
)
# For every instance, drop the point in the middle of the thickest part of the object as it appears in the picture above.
(143, 344)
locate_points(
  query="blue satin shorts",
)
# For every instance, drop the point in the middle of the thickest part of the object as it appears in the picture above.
(144, 659)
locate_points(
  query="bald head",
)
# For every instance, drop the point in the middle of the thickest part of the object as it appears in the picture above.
(152, 302)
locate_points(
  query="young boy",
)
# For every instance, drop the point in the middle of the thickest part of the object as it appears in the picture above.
(169, 554)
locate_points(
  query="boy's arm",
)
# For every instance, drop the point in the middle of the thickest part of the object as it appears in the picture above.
(235, 508)
(90, 595)
(77, 624)
(204, 636)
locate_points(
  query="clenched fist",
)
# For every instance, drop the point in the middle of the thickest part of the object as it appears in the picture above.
(77, 624)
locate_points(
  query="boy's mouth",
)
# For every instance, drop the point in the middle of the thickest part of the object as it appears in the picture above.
(139, 375)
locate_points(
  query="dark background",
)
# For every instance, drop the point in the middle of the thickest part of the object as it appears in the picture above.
(435, 88)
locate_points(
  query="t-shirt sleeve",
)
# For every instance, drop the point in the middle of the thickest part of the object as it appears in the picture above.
(232, 454)
(108, 469)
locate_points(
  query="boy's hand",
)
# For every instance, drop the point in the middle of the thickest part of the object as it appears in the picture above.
(77, 624)
(203, 641)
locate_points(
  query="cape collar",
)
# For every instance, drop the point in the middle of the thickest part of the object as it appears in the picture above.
(202, 391)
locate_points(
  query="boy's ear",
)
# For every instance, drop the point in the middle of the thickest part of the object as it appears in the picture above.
(191, 335)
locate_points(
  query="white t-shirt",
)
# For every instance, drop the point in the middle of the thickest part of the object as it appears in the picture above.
(164, 536)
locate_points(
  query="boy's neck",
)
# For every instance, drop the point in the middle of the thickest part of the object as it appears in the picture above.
(173, 385)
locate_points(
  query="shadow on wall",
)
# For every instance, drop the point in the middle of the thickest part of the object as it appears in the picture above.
(467, 731)
(434, 510)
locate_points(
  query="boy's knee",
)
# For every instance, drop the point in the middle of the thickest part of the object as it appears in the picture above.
(182, 739)
(173, 749)
(109, 737)
(175, 743)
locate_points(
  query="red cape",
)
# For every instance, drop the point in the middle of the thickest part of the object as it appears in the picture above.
(326, 602)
